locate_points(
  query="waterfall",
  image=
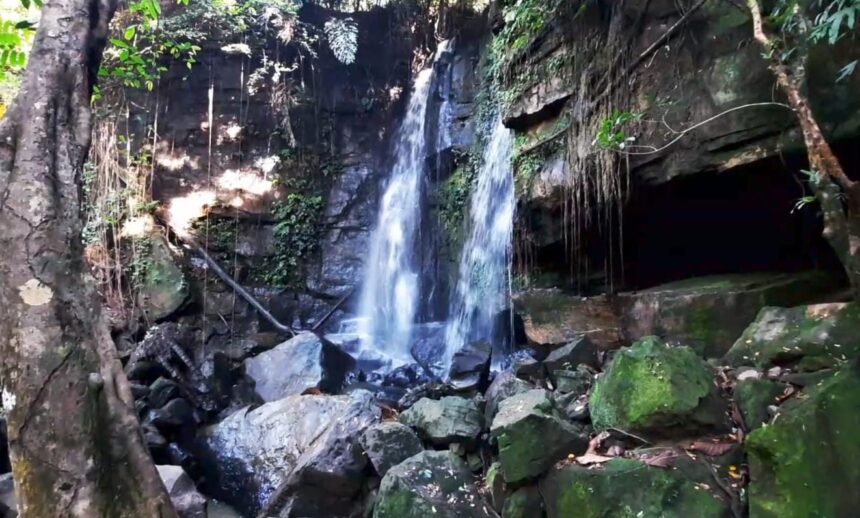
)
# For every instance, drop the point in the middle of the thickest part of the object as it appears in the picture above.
(483, 287)
(391, 288)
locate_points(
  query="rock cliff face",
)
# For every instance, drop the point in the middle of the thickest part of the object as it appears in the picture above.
(599, 63)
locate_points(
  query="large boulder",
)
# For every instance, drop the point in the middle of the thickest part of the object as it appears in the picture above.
(651, 388)
(470, 366)
(162, 288)
(445, 421)
(505, 385)
(531, 435)
(432, 483)
(811, 337)
(624, 487)
(552, 317)
(709, 313)
(807, 462)
(754, 396)
(525, 502)
(301, 363)
(187, 501)
(298, 440)
(388, 444)
(580, 351)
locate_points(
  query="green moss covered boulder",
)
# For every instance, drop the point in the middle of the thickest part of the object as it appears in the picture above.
(525, 502)
(432, 483)
(653, 389)
(709, 313)
(811, 337)
(753, 397)
(807, 463)
(161, 286)
(532, 436)
(627, 488)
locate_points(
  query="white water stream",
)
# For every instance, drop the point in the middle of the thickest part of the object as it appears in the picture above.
(391, 288)
(483, 288)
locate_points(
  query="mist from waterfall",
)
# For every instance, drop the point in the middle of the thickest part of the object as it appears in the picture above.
(483, 287)
(391, 288)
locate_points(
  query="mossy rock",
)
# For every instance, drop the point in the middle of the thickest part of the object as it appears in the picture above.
(532, 437)
(709, 313)
(807, 463)
(654, 389)
(627, 488)
(432, 483)
(753, 397)
(812, 337)
(162, 289)
(525, 502)
(445, 421)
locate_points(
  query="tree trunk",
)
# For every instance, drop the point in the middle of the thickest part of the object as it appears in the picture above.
(841, 221)
(75, 442)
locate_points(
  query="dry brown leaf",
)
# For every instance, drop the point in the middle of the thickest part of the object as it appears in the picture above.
(787, 393)
(595, 443)
(591, 458)
(664, 459)
(711, 448)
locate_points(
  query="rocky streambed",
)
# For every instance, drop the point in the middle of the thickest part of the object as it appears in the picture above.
(579, 428)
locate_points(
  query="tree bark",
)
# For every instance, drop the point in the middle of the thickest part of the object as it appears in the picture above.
(841, 220)
(75, 442)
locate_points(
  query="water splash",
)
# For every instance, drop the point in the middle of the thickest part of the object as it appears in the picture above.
(483, 287)
(391, 288)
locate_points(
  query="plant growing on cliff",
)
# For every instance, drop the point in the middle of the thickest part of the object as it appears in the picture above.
(787, 54)
(342, 37)
(297, 230)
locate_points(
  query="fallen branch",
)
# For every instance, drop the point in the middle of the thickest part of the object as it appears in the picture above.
(242, 292)
(228, 280)
(331, 312)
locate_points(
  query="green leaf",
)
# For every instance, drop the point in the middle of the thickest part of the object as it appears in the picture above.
(130, 32)
(846, 71)
(119, 43)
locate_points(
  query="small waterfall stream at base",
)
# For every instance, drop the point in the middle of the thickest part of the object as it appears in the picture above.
(483, 287)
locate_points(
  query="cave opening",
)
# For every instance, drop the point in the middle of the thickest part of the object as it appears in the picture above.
(750, 219)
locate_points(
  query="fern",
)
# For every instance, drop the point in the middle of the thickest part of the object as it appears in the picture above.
(342, 39)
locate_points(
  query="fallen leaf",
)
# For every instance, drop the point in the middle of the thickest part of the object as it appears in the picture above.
(664, 459)
(591, 458)
(711, 448)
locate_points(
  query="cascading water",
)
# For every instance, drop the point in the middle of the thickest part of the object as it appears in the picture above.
(484, 283)
(391, 288)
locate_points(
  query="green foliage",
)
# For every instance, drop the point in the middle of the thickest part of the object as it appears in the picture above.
(835, 19)
(814, 21)
(454, 196)
(135, 59)
(140, 265)
(342, 37)
(613, 132)
(297, 234)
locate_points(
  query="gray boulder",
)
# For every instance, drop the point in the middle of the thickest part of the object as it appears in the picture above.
(504, 386)
(445, 421)
(388, 444)
(470, 366)
(568, 357)
(8, 498)
(301, 363)
(432, 483)
(308, 441)
(187, 501)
